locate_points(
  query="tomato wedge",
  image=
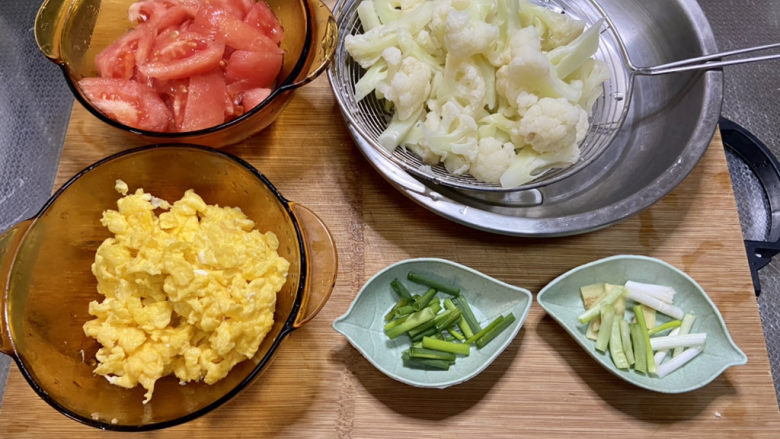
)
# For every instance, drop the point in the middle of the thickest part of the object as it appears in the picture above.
(127, 102)
(261, 17)
(252, 98)
(205, 105)
(189, 54)
(230, 29)
(118, 60)
(259, 69)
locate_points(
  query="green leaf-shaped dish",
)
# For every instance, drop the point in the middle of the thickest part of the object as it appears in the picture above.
(363, 323)
(561, 300)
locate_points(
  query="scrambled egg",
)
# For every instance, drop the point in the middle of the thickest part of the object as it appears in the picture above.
(190, 292)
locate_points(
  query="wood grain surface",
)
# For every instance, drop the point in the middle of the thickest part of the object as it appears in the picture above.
(543, 385)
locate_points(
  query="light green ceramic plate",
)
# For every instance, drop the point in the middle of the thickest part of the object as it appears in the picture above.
(364, 321)
(561, 300)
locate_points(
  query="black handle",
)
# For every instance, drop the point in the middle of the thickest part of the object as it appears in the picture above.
(766, 168)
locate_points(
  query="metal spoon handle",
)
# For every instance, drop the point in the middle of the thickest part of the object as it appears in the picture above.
(706, 61)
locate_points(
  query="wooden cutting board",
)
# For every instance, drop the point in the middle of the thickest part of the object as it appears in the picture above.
(543, 385)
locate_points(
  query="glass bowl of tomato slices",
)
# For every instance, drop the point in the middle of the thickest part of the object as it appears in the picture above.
(211, 72)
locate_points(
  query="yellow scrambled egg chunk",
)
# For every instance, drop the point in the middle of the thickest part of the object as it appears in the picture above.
(190, 292)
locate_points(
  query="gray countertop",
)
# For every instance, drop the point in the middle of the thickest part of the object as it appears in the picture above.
(35, 105)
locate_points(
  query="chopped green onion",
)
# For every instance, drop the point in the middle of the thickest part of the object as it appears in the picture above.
(674, 341)
(454, 332)
(413, 321)
(400, 289)
(448, 304)
(676, 362)
(660, 292)
(468, 314)
(446, 346)
(661, 328)
(493, 332)
(605, 331)
(685, 328)
(393, 323)
(640, 319)
(595, 310)
(484, 331)
(464, 326)
(431, 354)
(640, 353)
(424, 363)
(431, 283)
(428, 332)
(655, 303)
(390, 315)
(405, 310)
(616, 344)
(625, 338)
(449, 320)
(423, 301)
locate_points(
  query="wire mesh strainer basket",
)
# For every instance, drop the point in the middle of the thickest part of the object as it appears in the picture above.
(368, 118)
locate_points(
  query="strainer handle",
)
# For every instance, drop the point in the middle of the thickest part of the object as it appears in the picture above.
(9, 244)
(321, 263)
(324, 38)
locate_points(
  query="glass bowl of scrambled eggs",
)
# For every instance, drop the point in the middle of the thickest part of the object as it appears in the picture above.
(156, 284)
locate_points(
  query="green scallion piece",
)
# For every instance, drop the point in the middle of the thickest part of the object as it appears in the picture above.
(455, 333)
(428, 332)
(393, 323)
(595, 310)
(414, 320)
(446, 346)
(666, 326)
(431, 283)
(640, 319)
(493, 333)
(616, 344)
(449, 320)
(640, 353)
(484, 331)
(405, 310)
(605, 331)
(464, 326)
(625, 338)
(424, 363)
(468, 314)
(400, 289)
(431, 354)
(423, 301)
(390, 315)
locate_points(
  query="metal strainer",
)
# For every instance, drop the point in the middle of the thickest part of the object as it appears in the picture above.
(368, 118)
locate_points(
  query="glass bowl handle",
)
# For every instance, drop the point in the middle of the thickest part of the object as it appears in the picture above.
(9, 244)
(323, 42)
(48, 27)
(322, 263)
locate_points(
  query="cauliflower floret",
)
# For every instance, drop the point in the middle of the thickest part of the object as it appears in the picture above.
(465, 36)
(409, 87)
(555, 29)
(465, 83)
(493, 159)
(552, 125)
(529, 70)
(450, 131)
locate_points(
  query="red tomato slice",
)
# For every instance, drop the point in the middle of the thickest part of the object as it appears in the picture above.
(252, 98)
(127, 102)
(182, 56)
(205, 105)
(259, 69)
(119, 59)
(226, 27)
(162, 13)
(239, 8)
(261, 17)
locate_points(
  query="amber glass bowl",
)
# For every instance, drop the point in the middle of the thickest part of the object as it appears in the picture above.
(47, 283)
(72, 32)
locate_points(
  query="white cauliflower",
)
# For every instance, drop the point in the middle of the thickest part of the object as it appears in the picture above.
(553, 125)
(409, 87)
(465, 36)
(529, 70)
(492, 160)
(500, 89)
(555, 29)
